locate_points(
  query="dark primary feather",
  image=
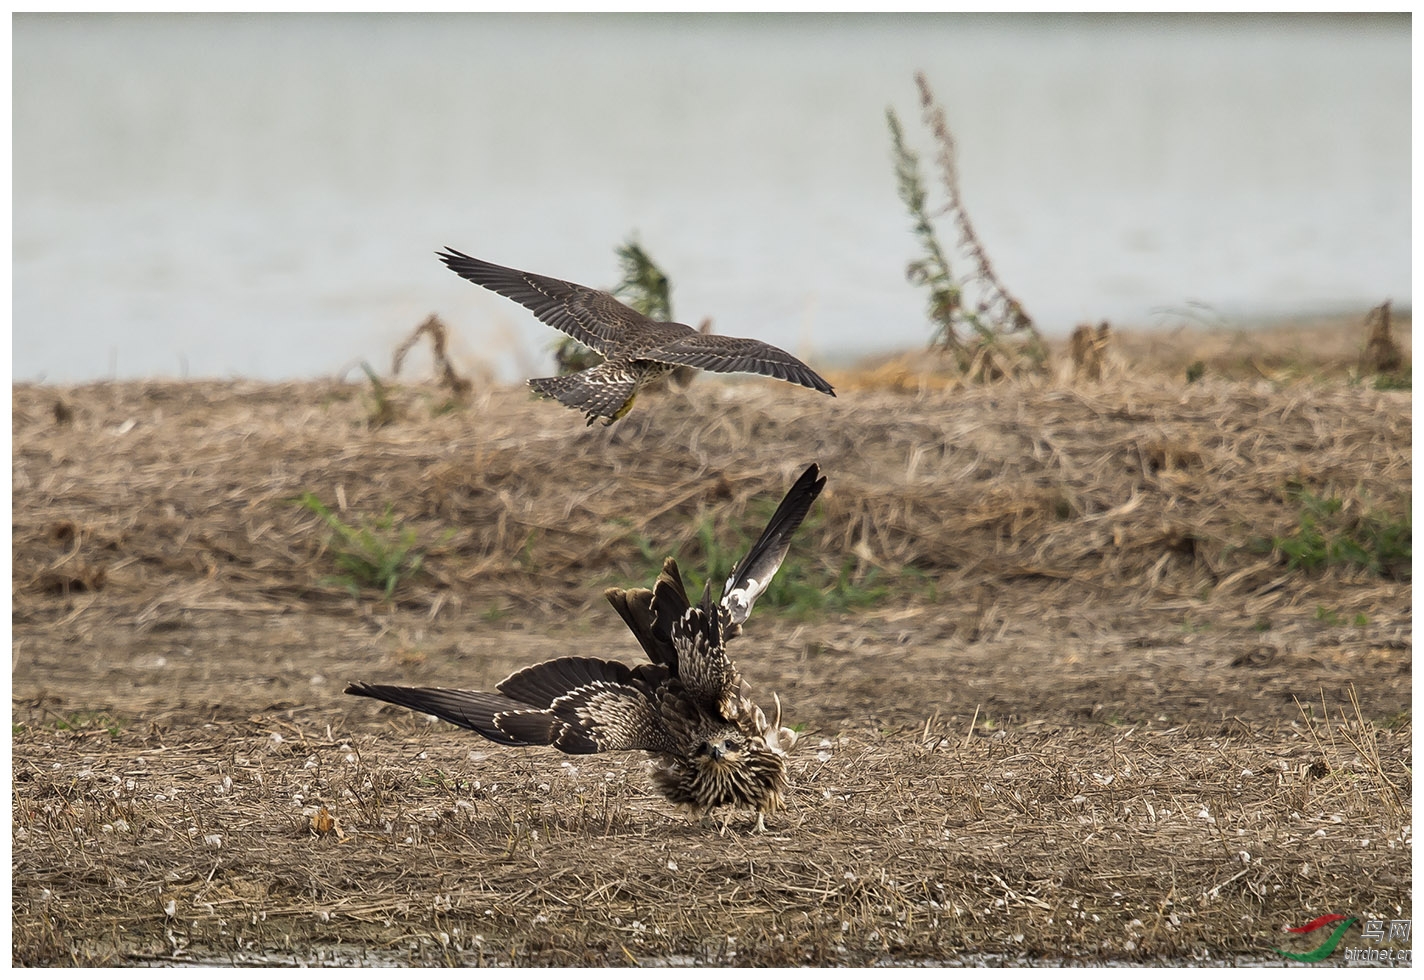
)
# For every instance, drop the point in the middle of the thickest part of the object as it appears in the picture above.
(475, 710)
(590, 316)
(728, 355)
(650, 613)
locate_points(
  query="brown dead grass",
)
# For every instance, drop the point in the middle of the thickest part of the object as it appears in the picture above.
(903, 846)
(1076, 708)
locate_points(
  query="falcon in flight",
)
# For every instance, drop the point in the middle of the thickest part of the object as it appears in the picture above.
(635, 349)
(687, 706)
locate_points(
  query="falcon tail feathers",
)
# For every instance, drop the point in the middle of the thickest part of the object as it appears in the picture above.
(636, 608)
(603, 391)
(651, 613)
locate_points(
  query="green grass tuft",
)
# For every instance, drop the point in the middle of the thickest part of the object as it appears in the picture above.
(1326, 535)
(374, 555)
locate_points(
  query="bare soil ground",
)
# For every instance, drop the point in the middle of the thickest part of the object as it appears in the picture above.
(1062, 698)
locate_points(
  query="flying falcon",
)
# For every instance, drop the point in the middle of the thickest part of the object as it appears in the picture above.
(635, 349)
(687, 706)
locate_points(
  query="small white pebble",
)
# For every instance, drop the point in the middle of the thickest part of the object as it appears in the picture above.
(671, 865)
(170, 908)
(213, 840)
(275, 738)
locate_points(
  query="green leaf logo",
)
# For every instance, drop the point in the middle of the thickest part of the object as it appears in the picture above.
(1326, 948)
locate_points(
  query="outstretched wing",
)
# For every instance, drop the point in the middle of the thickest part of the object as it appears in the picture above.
(715, 352)
(752, 575)
(476, 710)
(577, 705)
(590, 316)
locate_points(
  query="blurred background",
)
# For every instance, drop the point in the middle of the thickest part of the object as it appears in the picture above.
(262, 195)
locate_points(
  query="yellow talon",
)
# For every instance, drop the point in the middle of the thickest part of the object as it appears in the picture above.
(627, 406)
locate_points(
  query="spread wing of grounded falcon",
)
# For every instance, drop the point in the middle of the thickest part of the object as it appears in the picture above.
(687, 706)
(636, 349)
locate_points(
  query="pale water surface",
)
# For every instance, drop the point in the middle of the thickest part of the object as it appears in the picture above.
(262, 196)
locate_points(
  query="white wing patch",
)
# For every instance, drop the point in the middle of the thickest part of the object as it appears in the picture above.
(739, 602)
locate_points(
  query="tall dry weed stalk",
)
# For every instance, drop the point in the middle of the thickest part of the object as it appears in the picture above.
(434, 328)
(1382, 355)
(1088, 348)
(991, 336)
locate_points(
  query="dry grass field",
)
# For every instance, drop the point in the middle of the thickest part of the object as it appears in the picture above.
(1109, 671)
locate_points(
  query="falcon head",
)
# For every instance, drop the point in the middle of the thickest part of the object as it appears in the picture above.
(728, 767)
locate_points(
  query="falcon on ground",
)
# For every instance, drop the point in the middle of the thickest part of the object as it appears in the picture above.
(687, 706)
